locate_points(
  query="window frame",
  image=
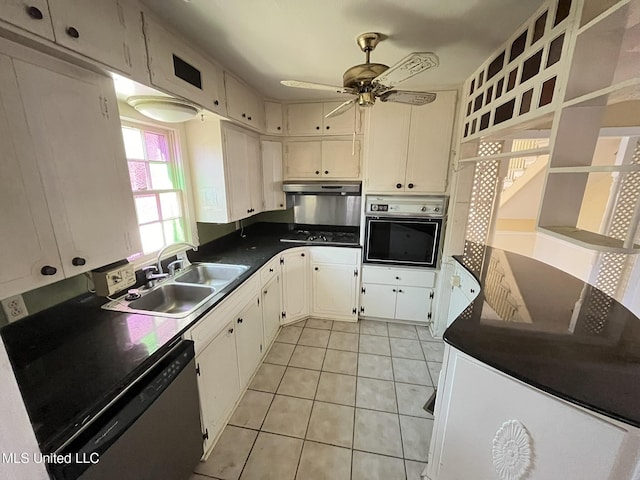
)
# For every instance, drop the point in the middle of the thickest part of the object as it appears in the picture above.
(175, 137)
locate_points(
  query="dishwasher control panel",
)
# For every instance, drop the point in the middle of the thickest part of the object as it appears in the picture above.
(111, 280)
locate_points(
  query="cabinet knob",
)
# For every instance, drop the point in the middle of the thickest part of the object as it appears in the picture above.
(48, 270)
(248, 210)
(271, 269)
(410, 185)
(302, 254)
(316, 269)
(264, 292)
(397, 278)
(279, 128)
(394, 290)
(244, 115)
(239, 320)
(317, 128)
(328, 127)
(78, 261)
(216, 103)
(473, 290)
(398, 185)
(399, 291)
(73, 32)
(230, 330)
(281, 205)
(326, 172)
(248, 118)
(317, 172)
(35, 13)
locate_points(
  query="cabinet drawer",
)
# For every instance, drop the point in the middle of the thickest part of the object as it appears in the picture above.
(270, 270)
(398, 276)
(338, 255)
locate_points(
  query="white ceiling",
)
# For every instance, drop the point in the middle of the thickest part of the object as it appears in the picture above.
(265, 41)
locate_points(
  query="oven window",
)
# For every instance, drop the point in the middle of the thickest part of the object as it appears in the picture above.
(413, 242)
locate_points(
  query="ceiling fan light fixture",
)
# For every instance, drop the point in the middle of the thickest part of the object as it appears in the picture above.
(366, 99)
(164, 109)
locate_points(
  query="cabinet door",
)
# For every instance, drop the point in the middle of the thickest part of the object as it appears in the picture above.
(344, 124)
(106, 40)
(378, 300)
(458, 302)
(242, 103)
(32, 16)
(177, 68)
(73, 118)
(254, 170)
(27, 237)
(218, 381)
(303, 160)
(304, 118)
(249, 337)
(274, 198)
(273, 118)
(238, 184)
(341, 159)
(295, 286)
(413, 303)
(333, 290)
(271, 310)
(387, 139)
(430, 144)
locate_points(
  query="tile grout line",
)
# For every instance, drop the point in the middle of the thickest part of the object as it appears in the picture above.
(404, 463)
(355, 406)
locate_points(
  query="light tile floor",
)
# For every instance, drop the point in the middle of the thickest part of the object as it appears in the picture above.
(334, 400)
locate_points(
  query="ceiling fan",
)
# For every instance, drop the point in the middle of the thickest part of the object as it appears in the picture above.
(374, 80)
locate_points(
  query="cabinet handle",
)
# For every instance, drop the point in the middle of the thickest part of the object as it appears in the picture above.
(317, 128)
(398, 185)
(230, 330)
(48, 270)
(410, 185)
(326, 172)
(239, 320)
(473, 291)
(271, 269)
(279, 128)
(216, 103)
(316, 269)
(78, 261)
(73, 32)
(317, 172)
(35, 13)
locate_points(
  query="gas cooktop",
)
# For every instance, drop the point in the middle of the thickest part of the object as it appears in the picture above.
(321, 237)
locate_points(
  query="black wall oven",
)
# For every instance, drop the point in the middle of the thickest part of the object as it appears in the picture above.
(404, 230)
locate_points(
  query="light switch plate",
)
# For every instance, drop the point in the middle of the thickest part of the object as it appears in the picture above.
(14, 308)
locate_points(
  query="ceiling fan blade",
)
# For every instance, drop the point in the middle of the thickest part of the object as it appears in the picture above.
(404, 96)
(411, 65)
(341, 109)
(317, 86)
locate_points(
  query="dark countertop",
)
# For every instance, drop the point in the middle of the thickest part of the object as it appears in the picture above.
(551, 330)
(71, 360)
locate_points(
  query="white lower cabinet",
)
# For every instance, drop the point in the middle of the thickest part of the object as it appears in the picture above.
(271, 309)
(335, 278)
(218, 381)
(249, 338)
(295, 285)
(397, 293)
(484, 421)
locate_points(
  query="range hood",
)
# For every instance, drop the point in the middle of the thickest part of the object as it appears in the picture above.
(322, 188)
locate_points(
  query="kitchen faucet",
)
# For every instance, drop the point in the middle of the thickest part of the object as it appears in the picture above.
(181, 255)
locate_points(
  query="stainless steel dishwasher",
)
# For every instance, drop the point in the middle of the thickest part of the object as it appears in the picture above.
(152, 432)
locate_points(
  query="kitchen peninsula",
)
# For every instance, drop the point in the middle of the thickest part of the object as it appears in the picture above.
(540, 377)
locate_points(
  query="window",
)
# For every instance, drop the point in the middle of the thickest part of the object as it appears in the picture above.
(157, 184)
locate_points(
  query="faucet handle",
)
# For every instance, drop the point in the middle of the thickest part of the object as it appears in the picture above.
(149, 270)
(175, 265)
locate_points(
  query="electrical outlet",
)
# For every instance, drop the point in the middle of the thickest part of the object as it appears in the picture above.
(14, 308)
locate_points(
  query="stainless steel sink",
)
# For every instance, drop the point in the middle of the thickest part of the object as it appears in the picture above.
(213, 274)
(173, 299)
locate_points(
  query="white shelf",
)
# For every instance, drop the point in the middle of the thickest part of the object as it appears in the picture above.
(606, 13)
(533, 152)
(620, 92)
(590, 240)
(595, 169)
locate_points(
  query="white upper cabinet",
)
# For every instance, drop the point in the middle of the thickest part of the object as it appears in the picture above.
(335, 159)
(178, 68)
(107, 31)
(73, 131)
(409, 147)
(32, 16)
(274, 197)
(308, 119)
(273, 118)
(243, 104)
(226, 170)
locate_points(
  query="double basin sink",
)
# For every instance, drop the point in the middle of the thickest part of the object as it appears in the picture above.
(184, 293)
